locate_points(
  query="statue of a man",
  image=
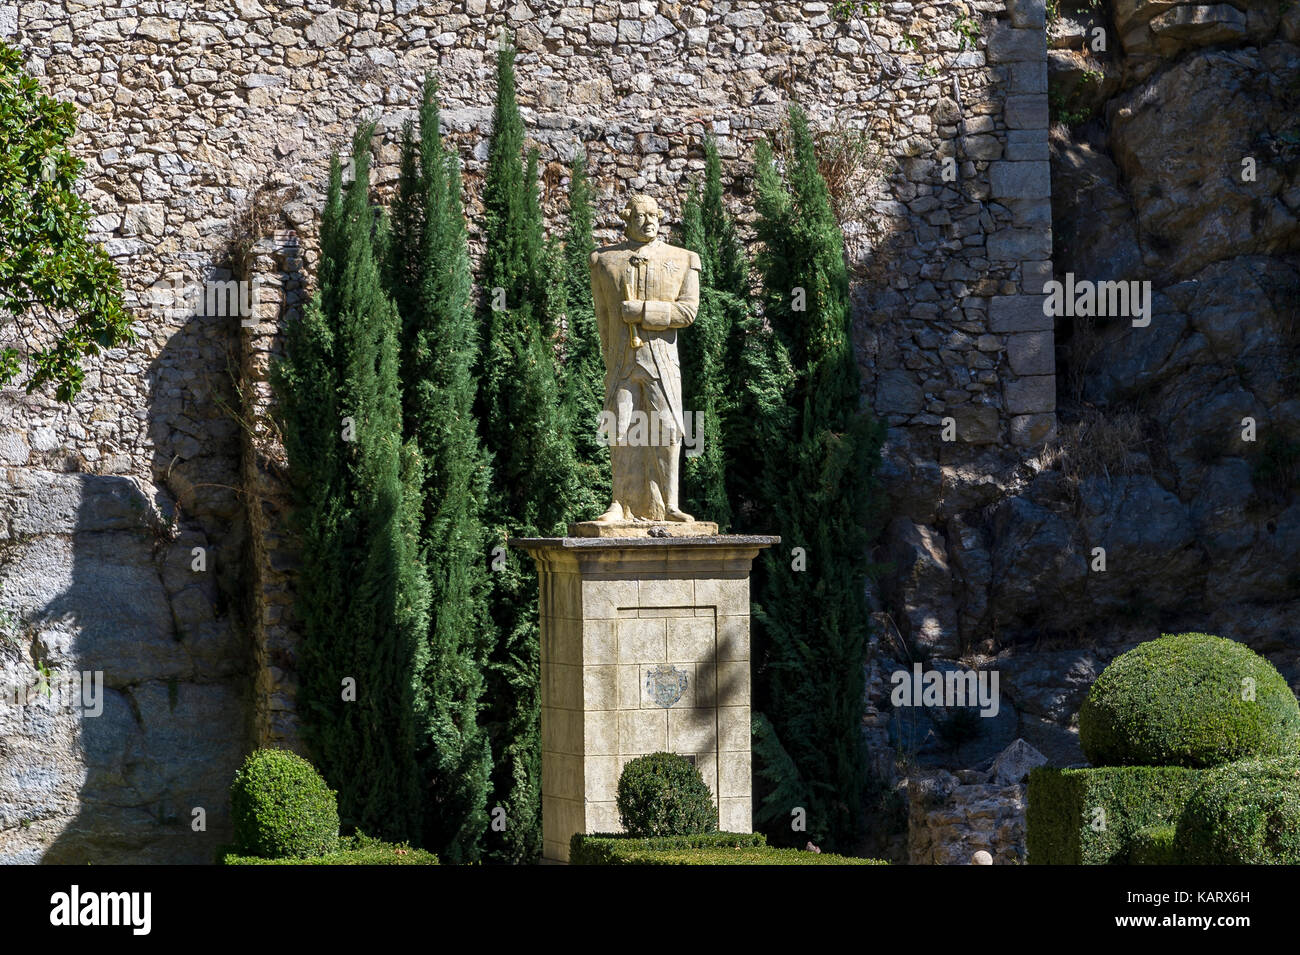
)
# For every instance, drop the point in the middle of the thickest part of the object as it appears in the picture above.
(644, 291)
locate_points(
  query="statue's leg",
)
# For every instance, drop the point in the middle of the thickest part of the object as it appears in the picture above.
(642, 493)
(622, 459)
(673, 463)
(667, 455)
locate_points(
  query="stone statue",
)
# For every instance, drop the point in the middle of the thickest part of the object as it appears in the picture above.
(644, 291)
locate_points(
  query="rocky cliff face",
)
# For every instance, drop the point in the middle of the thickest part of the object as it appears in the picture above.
(1179, 444)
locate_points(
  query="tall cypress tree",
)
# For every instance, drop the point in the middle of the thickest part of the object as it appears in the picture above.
(584, 365)
(705, 381)
(429, 275)
(306, 383)
(821, 490)
(363, 585)
(726, 256)
(723, 358)
(536, 486)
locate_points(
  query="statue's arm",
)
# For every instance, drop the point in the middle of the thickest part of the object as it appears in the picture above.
(681, 313)
(598, 301)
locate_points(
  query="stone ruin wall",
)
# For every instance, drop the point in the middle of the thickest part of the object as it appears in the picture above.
(206, 131)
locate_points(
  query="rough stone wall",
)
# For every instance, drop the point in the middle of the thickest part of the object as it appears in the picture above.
(949, 822)
(207, 128)
(273, 553)
(955, 332)
(955, 325)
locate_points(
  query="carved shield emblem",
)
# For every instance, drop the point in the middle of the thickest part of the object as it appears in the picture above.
(665, 684)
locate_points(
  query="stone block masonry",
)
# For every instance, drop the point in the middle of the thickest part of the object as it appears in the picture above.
(944, 318)
(190, 114)
(645, 649)
(272, 555)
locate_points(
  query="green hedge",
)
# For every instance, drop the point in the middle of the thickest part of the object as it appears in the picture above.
(1245, 813)
(713, 848)
(1153, 845)
(356, 850)
(1188, 699)
(766, 855)
(605, 848)
(1063, 826)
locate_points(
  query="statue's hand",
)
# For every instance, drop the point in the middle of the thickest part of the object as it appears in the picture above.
(632, 310)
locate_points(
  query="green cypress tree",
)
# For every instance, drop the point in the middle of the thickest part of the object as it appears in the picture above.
(537, 486)
(758, 419)
(705, 379)
(402, 259)
(819, 488)
(584, 365)
(364, 612)
(429, 270)
(749, 374)
(306, 383)
(749, 355)
(726, 257)
(554, 298)
(546, 293)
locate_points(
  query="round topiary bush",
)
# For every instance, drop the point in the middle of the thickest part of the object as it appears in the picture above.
(664, 795)
(1244, 813)
(281, 807)
(1188, 699)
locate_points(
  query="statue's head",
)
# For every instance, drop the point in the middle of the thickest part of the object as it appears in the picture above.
(641, 214)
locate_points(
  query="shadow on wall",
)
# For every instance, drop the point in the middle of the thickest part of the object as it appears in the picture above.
(138, 583)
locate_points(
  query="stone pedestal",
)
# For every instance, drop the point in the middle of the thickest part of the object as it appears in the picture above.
(645, 648)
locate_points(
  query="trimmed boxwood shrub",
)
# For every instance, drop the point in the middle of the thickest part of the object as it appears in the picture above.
(1091, 816)
(1153, 845)
(713, 848)
(664, 795)
(1245, 813)
(1178, 701)
(281, 808)
(353, 850)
